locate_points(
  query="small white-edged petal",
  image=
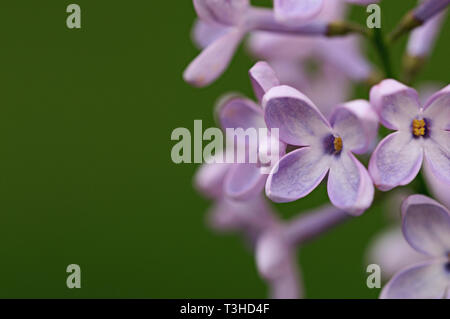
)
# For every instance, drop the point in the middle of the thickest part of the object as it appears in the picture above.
(244, 181)
(204, 34)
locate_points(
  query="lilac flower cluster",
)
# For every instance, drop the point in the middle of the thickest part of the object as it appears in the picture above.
(321, 134)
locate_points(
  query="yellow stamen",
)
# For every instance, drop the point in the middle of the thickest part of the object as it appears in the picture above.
(337, 144)
(418, 127)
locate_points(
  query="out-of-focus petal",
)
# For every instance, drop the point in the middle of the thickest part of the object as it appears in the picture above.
(437, 155)
(346, 55)
(272, 46)
(205, 33)
(437, 108)
(421, 40)
(426, 280)
(395, 103)
(213, 61)
(350, 187)
(357, 123)
(254, 215)
(396, 161)
(228, 12)
(428, 9)
(210, 177)
(287, 286)
(273, 255)
(297, 11)
(297, 118)
(263, 78)
(297, 174)
(244, 181)
(426, 225)
(392, 253)
(235, 112)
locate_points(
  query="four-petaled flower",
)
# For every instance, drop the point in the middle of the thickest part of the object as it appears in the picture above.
(421, 132)
(325, 147)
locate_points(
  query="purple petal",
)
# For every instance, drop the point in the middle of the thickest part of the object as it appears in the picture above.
(437, 155)
(263, 78)
(205, 33)
(297, 118)
(437, 108)
(297, 11)
(244, 181)
(296, 175)
(350, 187)
(230, 12)
(426, 225)
(438, 188)
(422, 39)
(396, 161)
(428, 9)
(426, 280)
(254, 215)
(345, 54)
(210, 177)
(235, 112)
(357, 124)
(392, 252)
(396, 104)
(213, 61)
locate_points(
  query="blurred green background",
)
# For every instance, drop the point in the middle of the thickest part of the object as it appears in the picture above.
(85, 170)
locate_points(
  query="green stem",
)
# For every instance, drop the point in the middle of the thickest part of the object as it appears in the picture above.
(383, 52)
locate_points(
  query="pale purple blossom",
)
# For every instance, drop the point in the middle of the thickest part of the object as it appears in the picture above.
(420, 132)
(327, 147)
(426, 227)
(429, 8)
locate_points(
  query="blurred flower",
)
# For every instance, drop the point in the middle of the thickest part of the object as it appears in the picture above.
(420, 131)
(243, 180)
(224, 24)
(426, 227)
(328, 147)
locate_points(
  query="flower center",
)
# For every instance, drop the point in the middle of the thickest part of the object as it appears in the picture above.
(333, 145)
(419, 128)
(337, 144)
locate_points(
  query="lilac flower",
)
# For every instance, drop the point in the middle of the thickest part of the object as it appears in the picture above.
(230, 20)
(426, 227)
(421, 132)
(326, 147)
(242, 180)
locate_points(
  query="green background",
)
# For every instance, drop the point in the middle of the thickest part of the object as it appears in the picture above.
(85, 170)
